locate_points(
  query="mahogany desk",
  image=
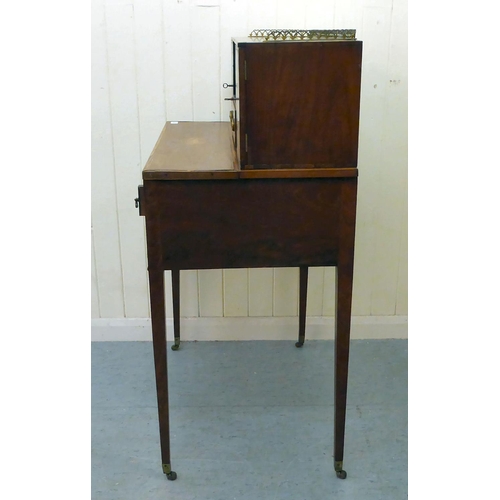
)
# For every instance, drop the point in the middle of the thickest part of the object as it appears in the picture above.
(202, 212)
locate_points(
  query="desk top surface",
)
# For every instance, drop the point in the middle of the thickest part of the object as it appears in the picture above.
(203, 150)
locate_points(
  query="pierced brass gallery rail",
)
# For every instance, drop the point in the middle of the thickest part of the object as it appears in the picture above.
(276, 34)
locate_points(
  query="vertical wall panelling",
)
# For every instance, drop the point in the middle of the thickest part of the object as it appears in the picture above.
(291, 14)
(402, 292)
(210, 292)
(235, 292)
(391, 179)
(148, 22)
(168, 294)
(349, 13)
(372, 111)
(178, 60)
(104, 215)
(189, 293)
(205, 53)
(94, 308)
(329, 293)
(398, 114)
(126, 146)
(260, 292)
(261, 14)
(315, 287)
(233, 23)
(157, 60)
(320, 15)
(286, 291)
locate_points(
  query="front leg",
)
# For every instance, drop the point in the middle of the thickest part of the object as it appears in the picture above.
(302, 305)
(342, 343)
(158, 324)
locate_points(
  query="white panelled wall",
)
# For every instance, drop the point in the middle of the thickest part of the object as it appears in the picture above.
(166, 60)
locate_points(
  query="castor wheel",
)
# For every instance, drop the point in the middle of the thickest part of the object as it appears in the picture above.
(341, 474)
(175, 347)
(299, 344)
(172, 476)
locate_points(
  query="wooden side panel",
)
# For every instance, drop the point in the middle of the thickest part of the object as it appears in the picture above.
(302, 103)
(275, 222)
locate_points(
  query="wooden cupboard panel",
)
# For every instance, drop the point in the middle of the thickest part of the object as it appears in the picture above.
(299, 103)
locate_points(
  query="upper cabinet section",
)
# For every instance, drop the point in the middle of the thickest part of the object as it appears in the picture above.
(297, 99)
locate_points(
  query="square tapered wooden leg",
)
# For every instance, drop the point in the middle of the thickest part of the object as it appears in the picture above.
(302, 305)
(342, 343)
(176, 300)
(157, 293)
(343, 305)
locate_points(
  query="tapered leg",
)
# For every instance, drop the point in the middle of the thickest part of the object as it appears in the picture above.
(302, 305)
(157, 293)
(342, 342)
(176, 305)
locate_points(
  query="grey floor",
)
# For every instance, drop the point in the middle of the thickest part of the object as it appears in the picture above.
(249, 421)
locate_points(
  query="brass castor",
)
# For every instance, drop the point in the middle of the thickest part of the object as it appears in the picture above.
(172, 476)
(176, 345)
(167, 470)
(299, 344)
(341, 474)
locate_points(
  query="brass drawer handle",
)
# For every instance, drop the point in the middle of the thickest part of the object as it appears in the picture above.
(231, 119)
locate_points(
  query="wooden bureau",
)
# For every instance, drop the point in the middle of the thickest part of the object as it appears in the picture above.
(273, 187)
